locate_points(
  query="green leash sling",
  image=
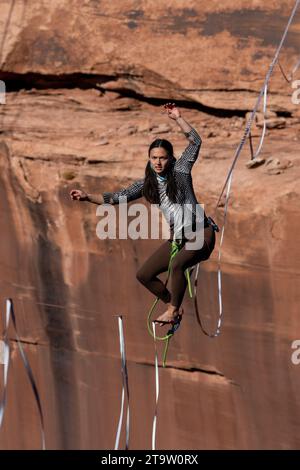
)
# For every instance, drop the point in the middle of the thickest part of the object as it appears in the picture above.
(175, 248)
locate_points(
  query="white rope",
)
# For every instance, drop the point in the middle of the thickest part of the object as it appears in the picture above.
(264, 124)
(124, 388)
(156, 390)
(6, 359)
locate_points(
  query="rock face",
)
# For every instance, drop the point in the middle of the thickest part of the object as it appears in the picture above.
(85, 81)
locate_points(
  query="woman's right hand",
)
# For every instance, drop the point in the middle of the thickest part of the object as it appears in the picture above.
(172, 111)
(78, 195)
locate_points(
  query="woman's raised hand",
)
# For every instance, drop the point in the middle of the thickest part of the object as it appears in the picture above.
(78, 195)
(171, 110)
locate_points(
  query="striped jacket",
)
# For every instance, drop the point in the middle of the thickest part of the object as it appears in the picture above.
(182, 173)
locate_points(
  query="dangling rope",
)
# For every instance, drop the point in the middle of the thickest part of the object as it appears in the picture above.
(6, 359)
(289, 80)
(227, 184)
(10, 314)
(264, 123)
(156, 390)
(125, 387)
(175, 248)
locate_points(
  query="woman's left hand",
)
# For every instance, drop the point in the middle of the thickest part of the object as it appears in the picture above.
(172, 111)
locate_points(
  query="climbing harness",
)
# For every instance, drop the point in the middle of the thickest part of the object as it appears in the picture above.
(125, 387)
(213, 224)
(10, 314)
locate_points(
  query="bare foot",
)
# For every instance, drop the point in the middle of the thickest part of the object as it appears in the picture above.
(171, 316)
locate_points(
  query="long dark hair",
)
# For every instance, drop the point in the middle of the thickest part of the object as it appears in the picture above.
(150, 188)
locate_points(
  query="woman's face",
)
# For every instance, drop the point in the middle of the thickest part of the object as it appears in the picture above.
(159, 159)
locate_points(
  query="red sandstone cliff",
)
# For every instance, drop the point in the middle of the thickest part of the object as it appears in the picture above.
(85, 81)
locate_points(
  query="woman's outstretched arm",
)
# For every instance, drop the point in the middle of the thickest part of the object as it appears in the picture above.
(183, 124)
(132, 192)
(80, 195)
(191, 152)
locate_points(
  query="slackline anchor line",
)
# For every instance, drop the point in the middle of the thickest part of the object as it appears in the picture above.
(228, 181)
(10, 314)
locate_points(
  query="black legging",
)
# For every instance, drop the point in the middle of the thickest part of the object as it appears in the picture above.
(159, 261)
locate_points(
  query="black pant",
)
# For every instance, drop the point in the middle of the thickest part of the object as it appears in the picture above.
(159, 261)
